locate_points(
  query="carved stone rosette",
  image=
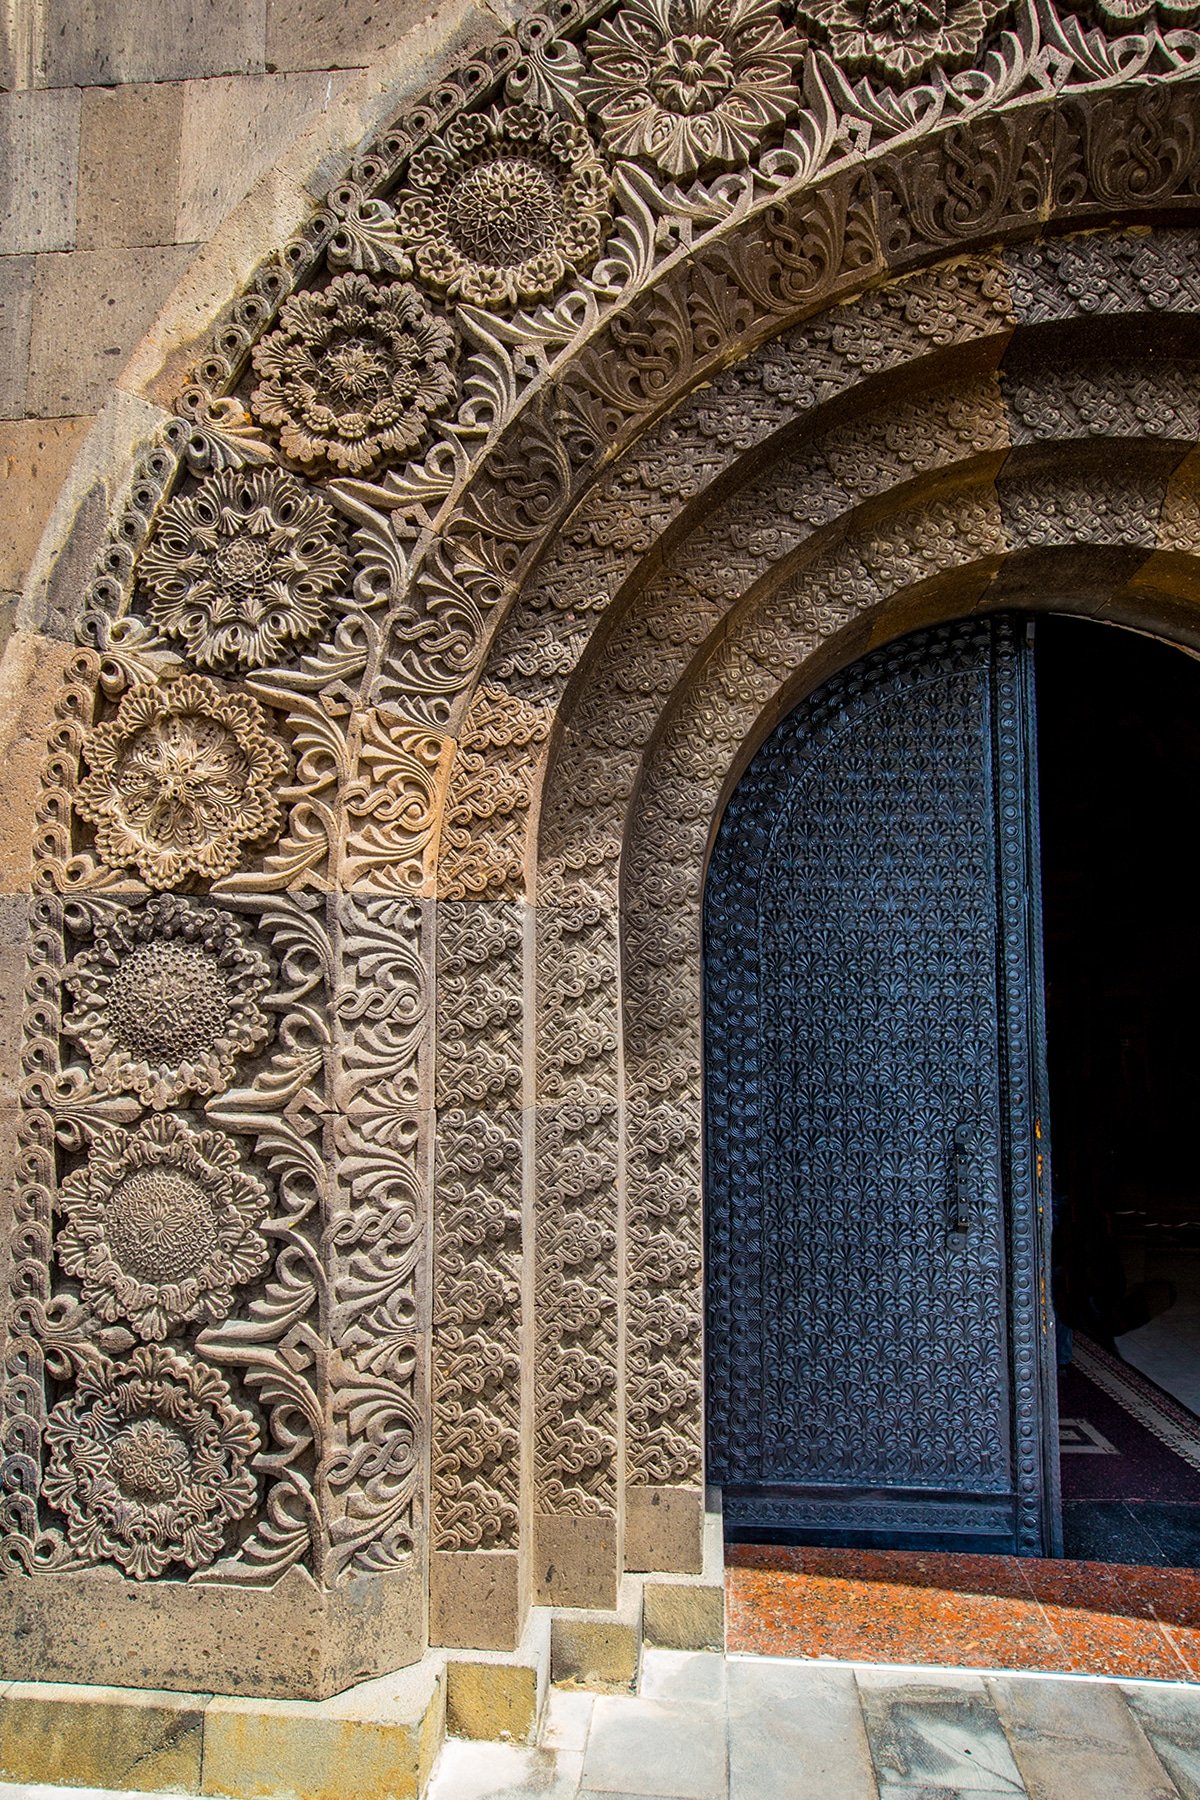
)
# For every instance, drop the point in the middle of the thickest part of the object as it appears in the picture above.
(651, 365)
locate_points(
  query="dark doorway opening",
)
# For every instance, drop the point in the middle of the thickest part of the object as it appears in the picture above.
(1119, 773)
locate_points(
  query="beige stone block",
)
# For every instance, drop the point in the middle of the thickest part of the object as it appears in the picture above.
(129, 165)
(103, 43)
(664, 1529)
(39, 158)
(601, 1648)
(292, 1640)
(35, 455)
(29, 676)
(336, 34)
(377, 1742)
(475, 1599)
(14, 923)
(576, 1560)
(681, 1615)
(90, 309)
(16, 315)
(101, 1737)
(234, 129)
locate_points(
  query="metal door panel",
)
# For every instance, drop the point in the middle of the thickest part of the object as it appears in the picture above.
(874, 1242)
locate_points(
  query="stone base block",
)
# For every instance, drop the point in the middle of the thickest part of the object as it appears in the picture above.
(664, 1530)
(577, 1559)
(498, 1695)
(475, 1599)
(293, 1640)
(377, 1742)
(687, 1612)
(600, 1649)
(101, 1737)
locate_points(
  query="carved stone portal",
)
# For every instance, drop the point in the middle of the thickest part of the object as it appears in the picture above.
(641, 374)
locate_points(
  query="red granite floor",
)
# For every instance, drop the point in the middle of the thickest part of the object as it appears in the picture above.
(997, 1612)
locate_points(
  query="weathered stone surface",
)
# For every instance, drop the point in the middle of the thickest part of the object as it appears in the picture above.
(35, 455)
(1170, 1718)
(599, 1648)
(93, 42)
(101, 1737)
(16, 314)
(475, 1599)
(89, 310)
(129, 165)
(796, 1733)
(39, 153)
(234, 129)
(330, 34)
(377, 1742)
(1079, 1739)
(676, 1749)
(680, 1615)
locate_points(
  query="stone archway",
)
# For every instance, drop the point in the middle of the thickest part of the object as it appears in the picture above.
(385, 694)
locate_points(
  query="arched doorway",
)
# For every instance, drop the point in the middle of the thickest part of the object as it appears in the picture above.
(883, 1362)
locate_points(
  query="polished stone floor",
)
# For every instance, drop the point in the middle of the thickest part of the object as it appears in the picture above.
(750, 1728)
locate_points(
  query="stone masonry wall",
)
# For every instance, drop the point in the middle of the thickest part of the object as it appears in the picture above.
(128, 130)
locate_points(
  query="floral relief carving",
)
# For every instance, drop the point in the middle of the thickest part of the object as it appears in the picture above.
(691, 84)
(503, 207)
(181, 779)
(167, 999)
(162, 1225)
(241, 571)
(149, 1462)
(901, 38)
(356, 371)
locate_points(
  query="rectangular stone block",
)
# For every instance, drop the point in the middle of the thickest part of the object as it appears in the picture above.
(101, 1737)
(16, 315)
(96, 43)
(475, 1599)
(39, 158)
(129, 165)
(234, 129)
(89, 311)
(576, 1559)
(664, 1529)
(335, 34)
(1077, 1738)
(600, 1648)
(35, 455)
(680, 1615)
(377, 1742)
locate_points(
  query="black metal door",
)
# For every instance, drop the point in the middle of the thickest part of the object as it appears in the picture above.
(878, 1257)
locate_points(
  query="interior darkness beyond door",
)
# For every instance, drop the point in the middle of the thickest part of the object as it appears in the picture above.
(877, 1337)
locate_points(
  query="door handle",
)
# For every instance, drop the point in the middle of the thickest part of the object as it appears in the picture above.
(958, 1206)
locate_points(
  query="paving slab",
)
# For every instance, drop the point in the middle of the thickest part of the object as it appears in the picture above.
(941, 1737)
(1170, 1718)
(475, 1771)
(676, 1751)
(796, 1733)
(567, 1719)
(682, 1675)
(1076, 1738)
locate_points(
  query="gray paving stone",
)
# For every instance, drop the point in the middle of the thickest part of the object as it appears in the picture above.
(1076, 1738)
(567, 1719)
(796, 1733)
(656, 1747)
(474, 1771)
(682, 1675)
(936, 1737)
(39, 158)
(1170, 1718)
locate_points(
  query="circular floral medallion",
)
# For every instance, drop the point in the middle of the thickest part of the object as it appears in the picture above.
(162, 1225)
(167, 998)
(354, 373)
(182, 777)
(691, 84)
(149, 1462)
(504, 207)
(240, 570)
(902, 37)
